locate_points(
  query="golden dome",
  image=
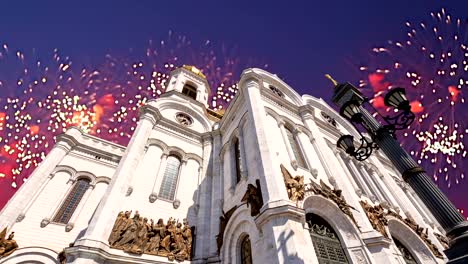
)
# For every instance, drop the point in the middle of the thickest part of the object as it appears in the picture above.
(194, 70)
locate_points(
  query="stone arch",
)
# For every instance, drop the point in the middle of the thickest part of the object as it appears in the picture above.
(85, 175)
(287, 121)
(64, 168)
(103, 179)
(240, 224)
(158, 143)
(346, 230)
(411, 241)
(176, 151)
(27, 255)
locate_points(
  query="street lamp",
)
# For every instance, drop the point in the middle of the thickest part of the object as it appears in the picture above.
(351, 103)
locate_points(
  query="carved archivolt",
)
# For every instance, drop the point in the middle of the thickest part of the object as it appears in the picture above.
(294, 185)
(378, 217)
(7, 245)
(223, 221)
(138, 236)
(331, 194)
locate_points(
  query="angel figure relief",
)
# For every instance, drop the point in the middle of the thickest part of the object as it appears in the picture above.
(294, 185)
(7, 245)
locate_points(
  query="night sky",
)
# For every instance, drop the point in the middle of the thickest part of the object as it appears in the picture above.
(298, 40)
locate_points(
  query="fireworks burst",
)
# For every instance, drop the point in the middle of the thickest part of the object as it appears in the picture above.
(432, 64)
(42, 98)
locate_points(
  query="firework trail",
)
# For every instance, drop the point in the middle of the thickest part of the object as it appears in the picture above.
(431, 63)
(40, 99)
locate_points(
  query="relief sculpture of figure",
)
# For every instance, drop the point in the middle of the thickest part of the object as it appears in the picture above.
(294, 185)
(157, 232)
(7, 246)
(119, 226)
(253, 197)
(140, 235)
(130, 234)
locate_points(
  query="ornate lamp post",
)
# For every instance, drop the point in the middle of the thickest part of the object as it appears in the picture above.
(351, 102)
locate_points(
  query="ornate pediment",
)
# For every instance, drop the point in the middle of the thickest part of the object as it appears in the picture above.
(137, 235)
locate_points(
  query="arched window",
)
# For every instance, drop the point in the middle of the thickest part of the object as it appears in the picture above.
(326, 243)
(237, 159)
(295, 148)
(246, 251)
(169, 182)
(190, 91)
(406, 254)
(71, 202)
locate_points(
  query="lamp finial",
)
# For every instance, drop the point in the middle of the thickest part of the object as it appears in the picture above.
(328, 76)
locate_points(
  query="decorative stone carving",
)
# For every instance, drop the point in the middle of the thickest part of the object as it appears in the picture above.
(294, 185)
(176, 203)
(333, 194)
(153, 197)
(223, 221)
(20, 217)
(329, 119)
(69, 227)
(184, 119)
(138, 236)
(376, 215)
(45, 222)
(442, 239)
(129, 191)
(253, 198)
(420, 231)
(7, 245)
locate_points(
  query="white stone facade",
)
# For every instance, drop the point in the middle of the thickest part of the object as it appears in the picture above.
(260, 117)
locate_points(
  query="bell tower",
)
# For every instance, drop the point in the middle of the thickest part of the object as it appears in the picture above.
(191, 82)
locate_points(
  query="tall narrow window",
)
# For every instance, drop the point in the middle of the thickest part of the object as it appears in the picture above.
(190, 91)
(295, 148)
(246, 251)
(407, 256)
(237, 160)
(71, 202)
(169, 182)
(326, 243)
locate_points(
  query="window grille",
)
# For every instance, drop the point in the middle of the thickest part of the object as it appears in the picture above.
(246, 251)
(407, 256)
(71, 202)
(169, 182)
(326, 243)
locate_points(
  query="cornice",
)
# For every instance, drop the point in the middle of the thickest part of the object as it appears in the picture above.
(282, 103)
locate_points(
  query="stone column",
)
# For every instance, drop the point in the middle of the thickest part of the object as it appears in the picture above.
(380, 183)
(217, 196)
(358, 177)
(351, 179)
(288, 144)
(203, 208)
(19, 202)
(49, 217)
(100, 226)
(22, 215)
(370, 182)
(159, 175)
(298, 134)
(442, 209)
(244, 168)
(269, 172)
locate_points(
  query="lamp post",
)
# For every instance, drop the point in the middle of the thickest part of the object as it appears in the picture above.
(351, 101)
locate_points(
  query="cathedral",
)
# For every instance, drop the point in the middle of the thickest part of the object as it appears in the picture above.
(262, 182)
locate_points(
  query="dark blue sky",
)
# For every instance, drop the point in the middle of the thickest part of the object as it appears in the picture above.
(300, 40)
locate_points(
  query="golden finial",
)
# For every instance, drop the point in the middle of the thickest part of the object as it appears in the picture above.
(328, 76)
